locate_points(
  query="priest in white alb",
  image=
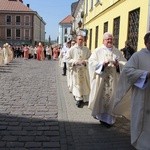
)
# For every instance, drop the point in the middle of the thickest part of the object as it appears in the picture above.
(6, 53)
(105, 65)
(70, 71)
(77, 58)
(135, 77)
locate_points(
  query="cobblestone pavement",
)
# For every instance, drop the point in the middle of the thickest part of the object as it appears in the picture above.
(37, 112)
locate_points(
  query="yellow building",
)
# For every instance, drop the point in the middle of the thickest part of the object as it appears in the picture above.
(125, 19)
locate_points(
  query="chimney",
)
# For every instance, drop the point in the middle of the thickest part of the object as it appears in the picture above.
(28, 5)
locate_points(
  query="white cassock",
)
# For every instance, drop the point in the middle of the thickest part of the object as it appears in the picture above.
(69, 75)
(80, 73)
(61, 58)
(1, 57)
(133, 78)
(6, 55)
(11, 55)
(103, 82)
(63, 53)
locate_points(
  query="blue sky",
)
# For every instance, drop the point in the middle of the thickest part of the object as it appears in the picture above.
(52, 11)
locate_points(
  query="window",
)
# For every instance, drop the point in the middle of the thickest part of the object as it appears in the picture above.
(105, 27)
(27, 20)
(18, 33)
(8, 20)
(96, 36)
(27, 34)
(90, 40)
(133, 27)
(65, 39)
(116, 28)
(65, 30)
(8, 33)
(17, 20)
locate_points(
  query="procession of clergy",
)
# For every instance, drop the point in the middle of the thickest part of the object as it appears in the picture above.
(112, 86)
(39, 52)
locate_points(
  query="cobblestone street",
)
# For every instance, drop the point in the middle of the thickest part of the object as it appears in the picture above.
(37, 112)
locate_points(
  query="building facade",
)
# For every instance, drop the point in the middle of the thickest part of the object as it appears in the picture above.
(19, 24)
(65, 27)
(78, 15)
(125, 19)
(78, 20)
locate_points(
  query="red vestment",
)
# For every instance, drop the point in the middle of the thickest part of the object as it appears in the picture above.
(39, 53)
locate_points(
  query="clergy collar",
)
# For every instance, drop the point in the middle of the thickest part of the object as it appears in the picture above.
(79, 46)
(110, 49)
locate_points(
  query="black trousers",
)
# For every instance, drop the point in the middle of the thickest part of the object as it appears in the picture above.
(64, 68)
(48, 57)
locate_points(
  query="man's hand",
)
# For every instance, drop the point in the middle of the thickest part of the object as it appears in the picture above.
(116, 63)
(78, 63)
(106, 63)
(83, 62)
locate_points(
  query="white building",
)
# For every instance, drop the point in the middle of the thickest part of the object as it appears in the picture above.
(65, 30)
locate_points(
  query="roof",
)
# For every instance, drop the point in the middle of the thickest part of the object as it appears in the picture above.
(67, 20)
(13, 5)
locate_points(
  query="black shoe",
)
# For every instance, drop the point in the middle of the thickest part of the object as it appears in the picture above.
(79, 103)
(63, 74)
(105, 124)
(74, 98)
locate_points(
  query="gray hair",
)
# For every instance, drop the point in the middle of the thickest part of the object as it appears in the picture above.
(106, 35)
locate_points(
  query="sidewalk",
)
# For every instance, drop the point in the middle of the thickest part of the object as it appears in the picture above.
(83, 132)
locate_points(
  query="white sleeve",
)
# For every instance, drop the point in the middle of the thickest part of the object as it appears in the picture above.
(99, 68)
(141, 81)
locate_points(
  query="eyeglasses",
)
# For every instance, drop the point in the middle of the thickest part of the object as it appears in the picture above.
(108, 39)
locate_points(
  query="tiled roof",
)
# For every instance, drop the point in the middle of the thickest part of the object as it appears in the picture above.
(66, 20)
(13, 5)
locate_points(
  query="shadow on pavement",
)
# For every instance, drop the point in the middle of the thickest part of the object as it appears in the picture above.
(31, 133)
(9, 67)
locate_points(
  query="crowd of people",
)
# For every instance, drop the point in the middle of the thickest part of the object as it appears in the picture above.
(114, 82)
(40, 52)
